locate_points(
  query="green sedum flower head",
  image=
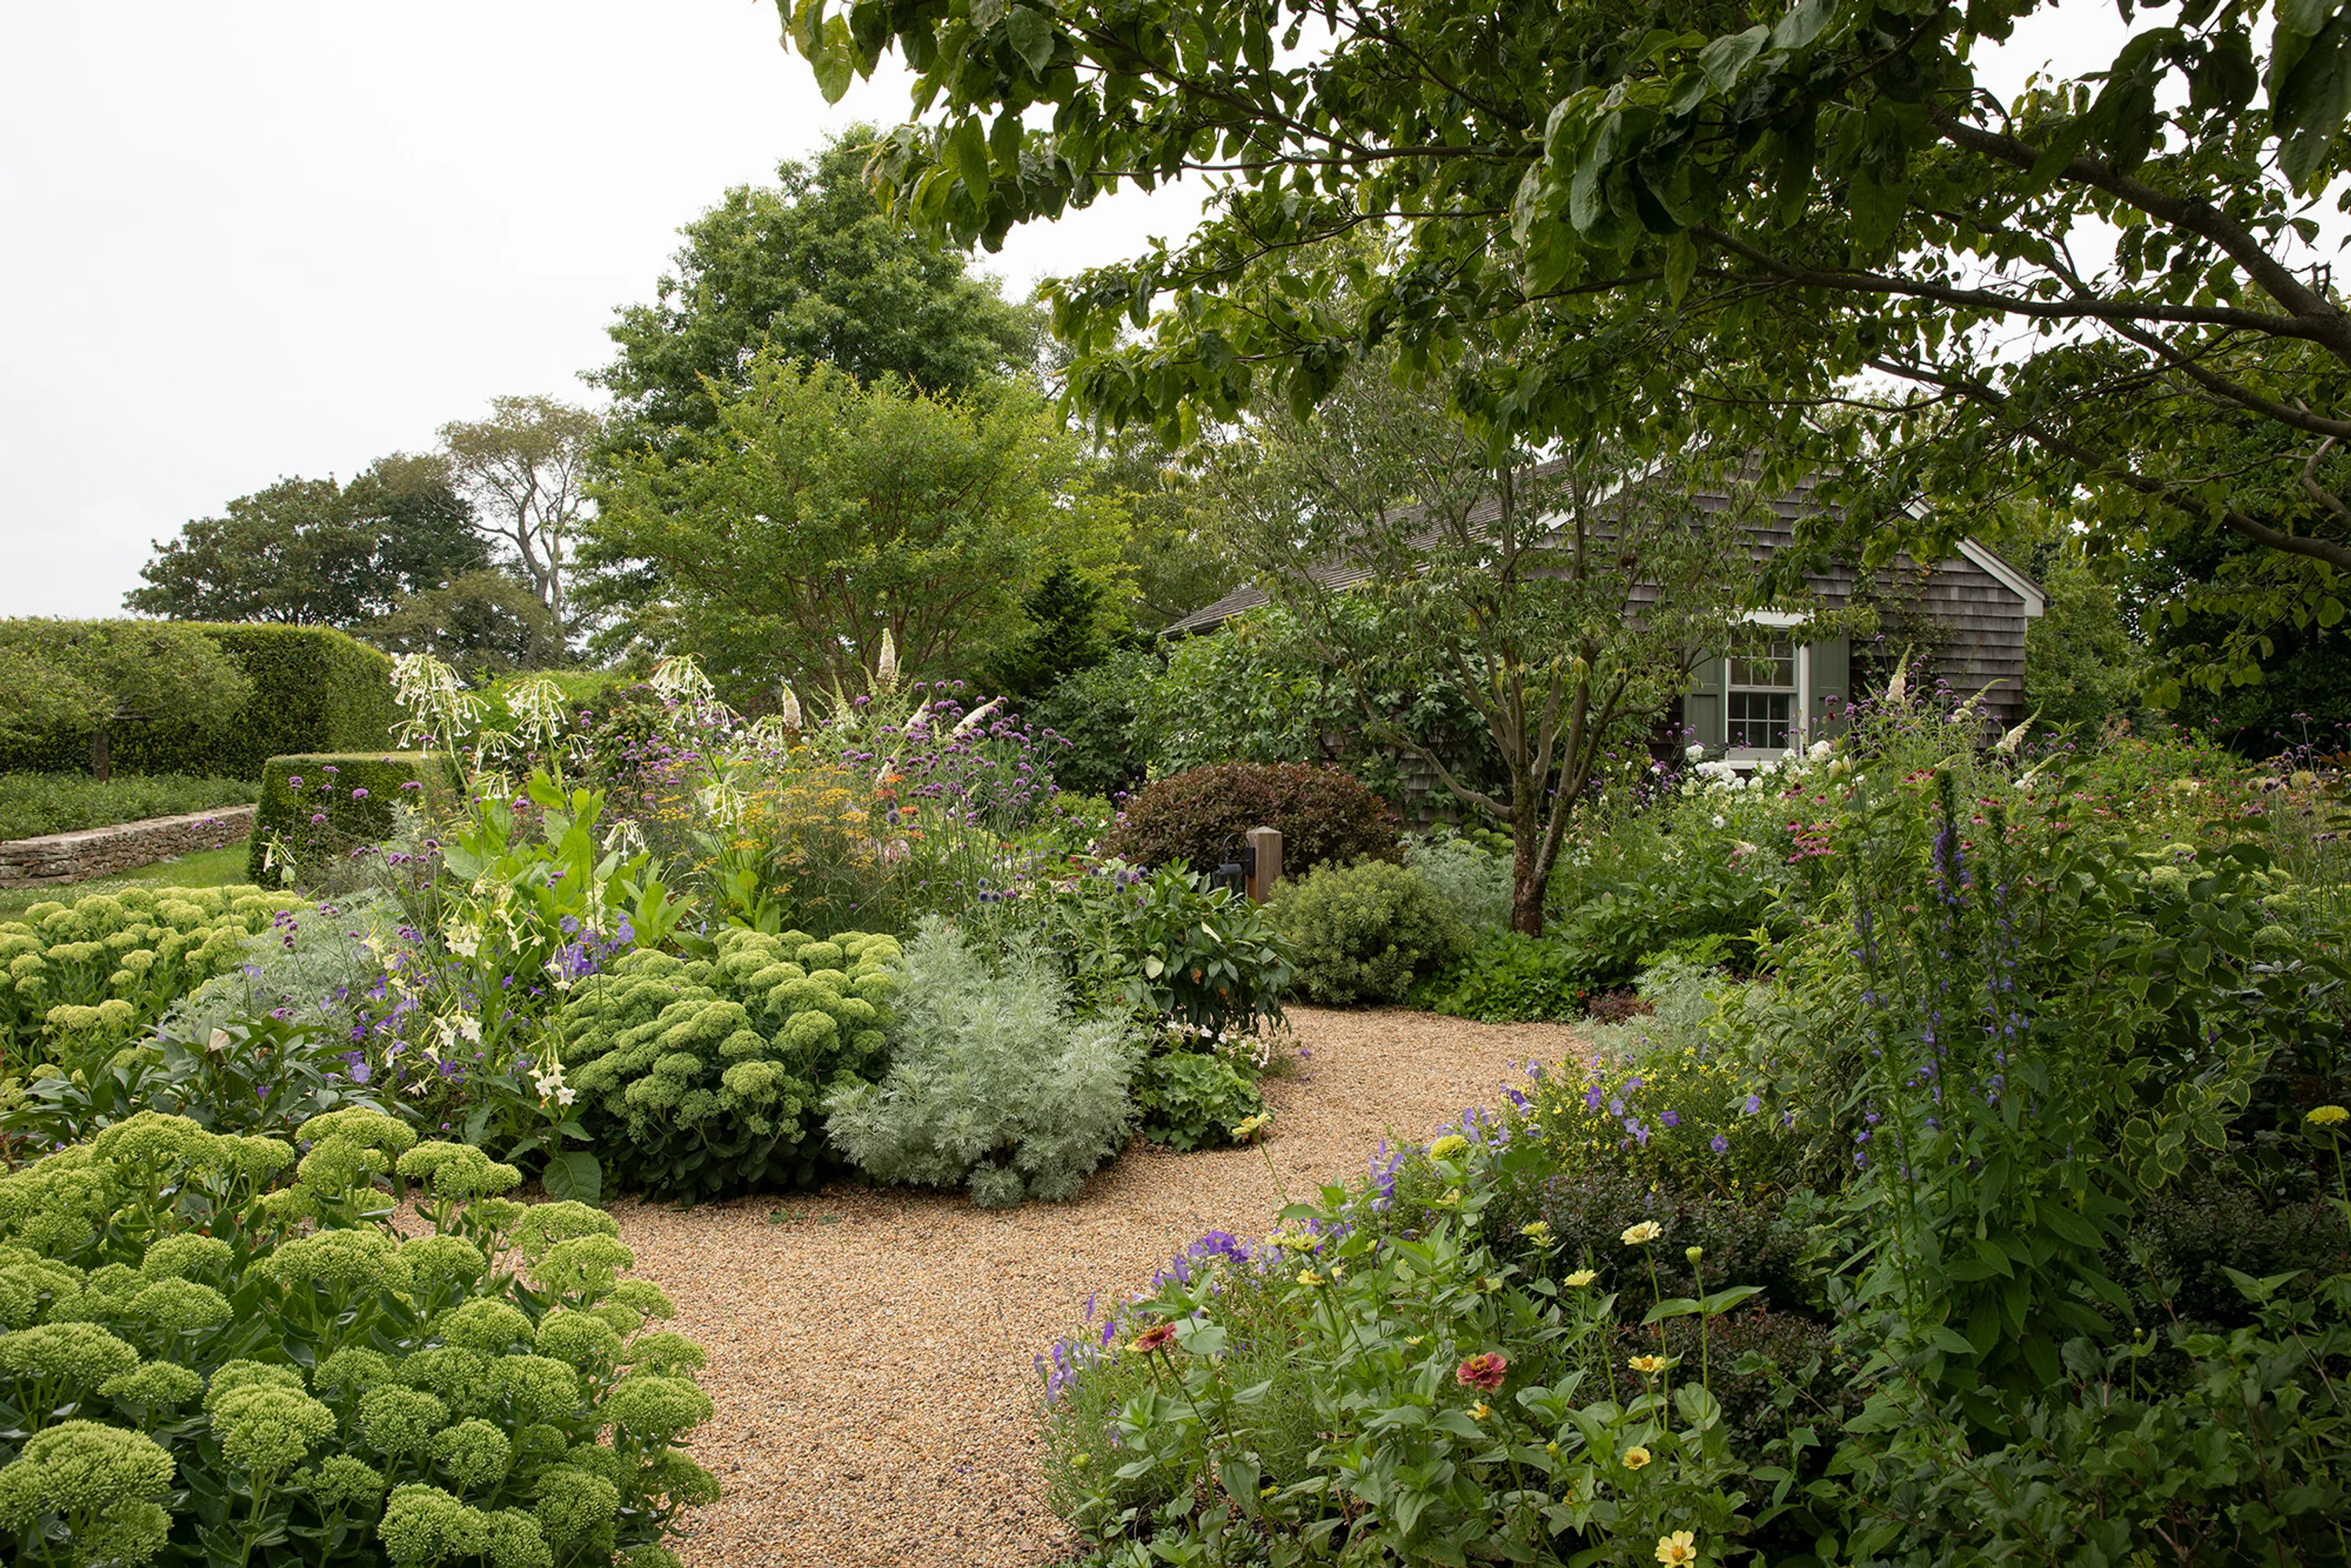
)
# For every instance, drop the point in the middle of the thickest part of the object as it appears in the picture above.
(474, 1453)
(425, 1525)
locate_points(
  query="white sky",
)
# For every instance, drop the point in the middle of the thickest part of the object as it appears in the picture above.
(247, 238)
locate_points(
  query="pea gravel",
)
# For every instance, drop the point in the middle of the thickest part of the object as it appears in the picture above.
(871, 1351)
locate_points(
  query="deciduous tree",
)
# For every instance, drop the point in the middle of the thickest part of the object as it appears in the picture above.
(1813, 227)
(816, 269)
(1563, 602)
(96, 674)
(525, 469)
(313, 552)
(819, 514)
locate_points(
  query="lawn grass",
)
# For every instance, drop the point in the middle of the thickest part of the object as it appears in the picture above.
(223, 867)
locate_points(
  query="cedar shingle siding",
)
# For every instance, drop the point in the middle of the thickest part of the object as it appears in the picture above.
(1964, 622)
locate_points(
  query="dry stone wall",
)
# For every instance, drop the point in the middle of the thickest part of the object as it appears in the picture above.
(107, 851)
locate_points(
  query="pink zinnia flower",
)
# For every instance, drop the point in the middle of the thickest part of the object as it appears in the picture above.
(1482, 1371)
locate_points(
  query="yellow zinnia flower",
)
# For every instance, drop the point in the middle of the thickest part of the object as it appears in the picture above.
(1635, 1457)
(1676, 1549)
(1582, 1278)
(1647, 1366)
(2327, 1116)
(1641, 1235)
(1308, 1278)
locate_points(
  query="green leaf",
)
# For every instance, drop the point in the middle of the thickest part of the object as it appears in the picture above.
(1724, 59)
(1681, 262)
(1032, 37)
(969, 150)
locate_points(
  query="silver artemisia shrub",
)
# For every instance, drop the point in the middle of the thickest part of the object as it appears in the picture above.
(704, 1078)
(218, 1349)
(991, 1081)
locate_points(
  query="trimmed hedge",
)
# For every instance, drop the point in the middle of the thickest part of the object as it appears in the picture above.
(314, 690)
(325, 803)
(1325, 814)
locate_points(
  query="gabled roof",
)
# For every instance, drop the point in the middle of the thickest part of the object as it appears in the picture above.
(1771, 531)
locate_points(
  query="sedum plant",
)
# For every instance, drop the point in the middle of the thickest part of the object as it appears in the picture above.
(218, 1349)
(78, 979)
(991, 1081)
(704, 1078)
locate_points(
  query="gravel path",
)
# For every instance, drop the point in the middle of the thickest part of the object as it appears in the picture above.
(871, 1355)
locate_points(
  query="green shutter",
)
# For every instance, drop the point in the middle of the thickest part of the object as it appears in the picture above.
(1832, 683)
(1702, 709)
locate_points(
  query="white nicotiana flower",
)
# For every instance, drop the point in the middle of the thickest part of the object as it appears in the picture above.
(218, 1044)
(1719, 820)
(1820, 750)
(464, 940)
(1694, 754)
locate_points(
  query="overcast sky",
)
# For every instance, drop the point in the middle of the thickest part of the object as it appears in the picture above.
(247, 238)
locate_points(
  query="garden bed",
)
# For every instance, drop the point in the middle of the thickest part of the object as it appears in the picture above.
(872, 1353)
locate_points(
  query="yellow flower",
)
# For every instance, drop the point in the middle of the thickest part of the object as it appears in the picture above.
(1538, 1232)
(1582, 1278)
(1676, 1549)
(1693, 1253)
(1249, 1128)
(1308, 1278)
(1418, 1339)
(1641, 1235)
(1552, 1449)
(2327, 1116)
(1446, 1147)
(1338, 1271)
(1481, 1410)
(1635, 1457)
(1647, 1366)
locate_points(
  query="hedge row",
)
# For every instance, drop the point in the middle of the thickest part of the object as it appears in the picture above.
(323, 804)
(314, 689)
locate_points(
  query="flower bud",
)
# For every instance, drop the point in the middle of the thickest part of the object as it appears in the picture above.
(1693, 1254)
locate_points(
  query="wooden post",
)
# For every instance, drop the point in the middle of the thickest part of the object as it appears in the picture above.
(1266, 842)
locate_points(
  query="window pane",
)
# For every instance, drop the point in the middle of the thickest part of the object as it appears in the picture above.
(1770, 665)
(1759, 721)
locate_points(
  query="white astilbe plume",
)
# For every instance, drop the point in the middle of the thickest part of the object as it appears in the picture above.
(2007, 744)
(788, 708)
(885, 665)
(1897, 690)
(971, 720)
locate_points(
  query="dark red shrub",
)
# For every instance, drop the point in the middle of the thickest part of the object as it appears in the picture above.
(1324, 815)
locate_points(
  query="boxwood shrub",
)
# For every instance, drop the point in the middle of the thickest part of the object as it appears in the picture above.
(703, 1078)
(318, 805)
(1362, 932)
(219, 1349)
(1323, 814)
(314, 689)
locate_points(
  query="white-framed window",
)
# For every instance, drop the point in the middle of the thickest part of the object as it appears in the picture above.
(1762, 707)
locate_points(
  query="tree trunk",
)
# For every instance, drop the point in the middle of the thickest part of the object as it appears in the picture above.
(1526, 868)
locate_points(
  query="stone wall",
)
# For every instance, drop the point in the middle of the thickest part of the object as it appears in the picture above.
(105, 851)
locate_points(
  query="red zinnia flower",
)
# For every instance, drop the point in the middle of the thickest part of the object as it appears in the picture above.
(1158, 1336)
(1482, 1371)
